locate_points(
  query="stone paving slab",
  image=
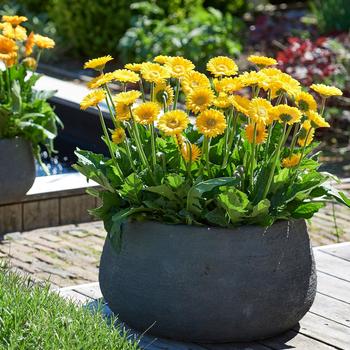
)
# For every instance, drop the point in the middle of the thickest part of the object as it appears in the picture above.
(69, 255)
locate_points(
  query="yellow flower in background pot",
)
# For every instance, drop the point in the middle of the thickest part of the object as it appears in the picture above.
(211, 123)
(222, 101)
(162, 59)
(305, 102)
(262, 60)
(291, 161)
(135, 67)
(128, 98)
(98, 63)
(179, 66)
(122, 111)
(260, 133)
(286, 114)
(118, 136)
(14, 20)
(199, 99)
(92, 99)
(326, 90)
(190, 152)
(30, 43)
(316, 120)
(173, 122)
(30, 63)
(222, 66)
(146, 113)
(43, 42)
(164, 93)
(125, 76)
(259, 110)
(194, 80)
(306, 134)
(154, 72)
(101, 80)
(240, 103)
(228, 85)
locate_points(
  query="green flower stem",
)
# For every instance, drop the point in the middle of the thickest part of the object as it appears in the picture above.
(109, 101)
(128, 152)
(8, 82)
(287, 134)
(232, 134)
(142, 90)
(301, 158)
(152, 92)
(206, 149)
(124, 87)
(138, 142)
(109, 144)
(272, 171)
(323, 105)
(294, 138)
(177, 91)
(269, 133)
(252, 159)
(153, 145)
(279, 99)
(38, 57)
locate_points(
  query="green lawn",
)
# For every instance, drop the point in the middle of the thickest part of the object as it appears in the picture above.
(32, 317)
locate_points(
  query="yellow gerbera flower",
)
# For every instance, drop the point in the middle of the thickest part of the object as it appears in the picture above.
(259, 110)
(291, 161)
(122, 111)
(325, 90)
(262, 60)
(179, 66)
(92, 99)
(199, 99)
(127, 98)
(228, 85)
(162, 59)
(249, 78)
(316, 120)
(306, 133)
(211, 123)
(173, 122)
(118, 136)
(135, 67)
(8, 48)
(190, 152)
(284, 83)
(222, 65)
(154, 72)
(260, 136)
(146, 113)
(126, 76)
(240, 103)
(305, 102)
(14, 20)
(100, 80)
(194, 80)
(30, 63)
(286, 114)
(29, 44)
(17, 33)
(98, 63)
(222, 101)
(164, 93)
(43, 42)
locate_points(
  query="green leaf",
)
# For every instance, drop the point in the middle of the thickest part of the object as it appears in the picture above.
(339, 196)
(131, 188)
(163, 190)
(175, 180)
(306, 210)
(217, 217)
(197, 191)
(235, 203)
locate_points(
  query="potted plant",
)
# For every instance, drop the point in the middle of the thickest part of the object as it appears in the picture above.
(27, 121)
(205, 195)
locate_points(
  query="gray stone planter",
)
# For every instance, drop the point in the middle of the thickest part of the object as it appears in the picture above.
(17, 169)
(205, 284)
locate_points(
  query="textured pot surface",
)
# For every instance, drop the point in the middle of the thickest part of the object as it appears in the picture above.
(17, 169)
(210, 284)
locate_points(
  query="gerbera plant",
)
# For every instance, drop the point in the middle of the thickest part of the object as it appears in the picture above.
(24, 111)
(226, 149)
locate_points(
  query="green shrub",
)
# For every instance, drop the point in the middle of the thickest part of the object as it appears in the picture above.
(32, 317)
(204, 33)
(235, 7)
(332, 14)
(90, 27)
